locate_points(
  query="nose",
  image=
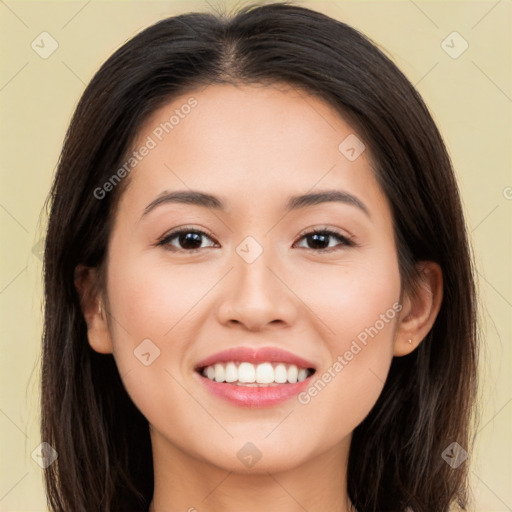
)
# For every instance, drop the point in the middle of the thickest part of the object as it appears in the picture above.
(256, 296)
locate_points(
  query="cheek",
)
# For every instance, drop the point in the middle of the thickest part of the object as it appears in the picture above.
(152, 311)
(344, 392)
(359, 309)
(151, 307)
(354, 295)
(152, 300)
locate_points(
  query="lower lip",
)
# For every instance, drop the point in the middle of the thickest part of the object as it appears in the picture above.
(252, 396)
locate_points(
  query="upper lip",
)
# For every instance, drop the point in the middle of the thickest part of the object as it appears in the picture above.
(255, 355)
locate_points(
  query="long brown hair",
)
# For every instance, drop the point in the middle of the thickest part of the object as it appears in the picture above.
(104, 452)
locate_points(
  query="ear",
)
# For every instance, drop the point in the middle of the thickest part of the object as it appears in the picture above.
(419, 309)
(93, 309)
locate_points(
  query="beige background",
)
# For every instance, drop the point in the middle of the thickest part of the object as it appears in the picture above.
(470, 98)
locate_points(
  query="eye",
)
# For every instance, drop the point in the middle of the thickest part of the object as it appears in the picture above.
(325, 240)
(191, 240)
(186, 239)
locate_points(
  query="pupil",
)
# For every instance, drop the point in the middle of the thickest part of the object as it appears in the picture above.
(190, 239)
(319, 238)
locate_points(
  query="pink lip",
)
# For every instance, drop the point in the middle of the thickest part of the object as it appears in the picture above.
(254, 396)
(255, 355)
(247, 396)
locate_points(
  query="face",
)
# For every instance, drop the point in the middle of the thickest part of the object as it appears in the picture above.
(277, 282)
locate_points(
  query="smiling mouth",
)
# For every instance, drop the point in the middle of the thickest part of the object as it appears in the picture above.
(247, 374)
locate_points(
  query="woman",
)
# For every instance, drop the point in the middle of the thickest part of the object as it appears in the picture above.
(259, 291)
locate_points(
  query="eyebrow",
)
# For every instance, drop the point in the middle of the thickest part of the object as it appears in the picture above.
(197, 198)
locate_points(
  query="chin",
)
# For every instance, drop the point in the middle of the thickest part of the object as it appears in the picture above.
(252, 455)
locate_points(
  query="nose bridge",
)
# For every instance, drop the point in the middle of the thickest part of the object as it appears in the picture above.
(254, 296)
(253, 277)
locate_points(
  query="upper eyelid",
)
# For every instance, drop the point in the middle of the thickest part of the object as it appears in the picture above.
(303, 233)
(324, 229)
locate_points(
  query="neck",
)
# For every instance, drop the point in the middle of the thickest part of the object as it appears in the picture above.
(184, 483)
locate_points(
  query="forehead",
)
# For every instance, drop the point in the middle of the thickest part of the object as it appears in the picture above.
(249, 141)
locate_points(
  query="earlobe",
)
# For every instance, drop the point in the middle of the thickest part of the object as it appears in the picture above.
(420, 309)
(93, 309)
(99, 333)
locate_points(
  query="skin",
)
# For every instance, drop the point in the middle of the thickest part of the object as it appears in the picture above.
(253, 147)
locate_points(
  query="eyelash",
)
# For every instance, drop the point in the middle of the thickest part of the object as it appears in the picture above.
(165, 240)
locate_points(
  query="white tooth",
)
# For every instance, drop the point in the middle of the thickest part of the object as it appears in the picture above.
(231, 373)
(246, 372)
(210, 372)
(280, 374)
(293, 372)
(303, 375)
(219, 372)
(264, 373)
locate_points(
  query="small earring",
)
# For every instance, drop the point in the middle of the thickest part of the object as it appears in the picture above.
(410, 341)
(100, 310)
